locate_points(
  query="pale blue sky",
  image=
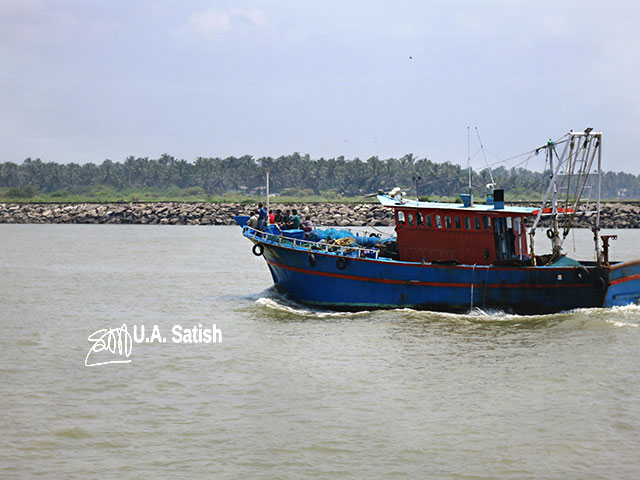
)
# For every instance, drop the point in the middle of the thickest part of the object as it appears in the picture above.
(87, 80)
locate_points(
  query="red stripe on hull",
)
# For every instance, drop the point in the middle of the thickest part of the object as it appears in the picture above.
(625, 279)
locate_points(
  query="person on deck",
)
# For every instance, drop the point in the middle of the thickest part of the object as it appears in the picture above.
(263, 217)
(307, 225)
(272, 217)
(279, 218)
(253, 221)
(286, 220)
(295, 220)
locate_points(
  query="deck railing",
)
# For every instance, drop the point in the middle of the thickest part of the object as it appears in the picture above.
(303, 244)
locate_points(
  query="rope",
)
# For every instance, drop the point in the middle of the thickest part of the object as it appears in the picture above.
(485, 157)
(472, 272)
(484, 293)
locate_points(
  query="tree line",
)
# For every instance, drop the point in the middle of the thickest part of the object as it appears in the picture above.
(293, 174)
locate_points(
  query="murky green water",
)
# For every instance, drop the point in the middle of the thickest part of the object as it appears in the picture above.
(290, 392)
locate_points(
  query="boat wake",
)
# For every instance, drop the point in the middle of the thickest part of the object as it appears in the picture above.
(282, 304)
(625, 316)
(288, 306)
(480, 317)
(274, 300)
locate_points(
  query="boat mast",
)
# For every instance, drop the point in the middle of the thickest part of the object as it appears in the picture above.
(588, 134)
(555, 241)
(596, 229)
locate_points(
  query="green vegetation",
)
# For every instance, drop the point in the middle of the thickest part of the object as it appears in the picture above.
(294, 178)
(106, 194)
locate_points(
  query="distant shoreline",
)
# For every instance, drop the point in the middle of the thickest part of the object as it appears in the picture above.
(614, 215)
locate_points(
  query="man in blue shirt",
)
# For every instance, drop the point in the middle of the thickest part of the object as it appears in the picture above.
(262, 217)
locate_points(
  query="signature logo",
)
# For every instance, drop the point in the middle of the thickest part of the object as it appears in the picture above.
(116, 341)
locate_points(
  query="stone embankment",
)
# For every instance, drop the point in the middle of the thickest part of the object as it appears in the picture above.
(614, 215)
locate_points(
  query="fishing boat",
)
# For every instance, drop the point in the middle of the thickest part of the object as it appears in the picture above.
(461, 256)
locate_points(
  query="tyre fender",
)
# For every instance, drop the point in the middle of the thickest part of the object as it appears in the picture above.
(600, 283)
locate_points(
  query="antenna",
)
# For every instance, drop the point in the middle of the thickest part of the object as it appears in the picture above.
(469, 157)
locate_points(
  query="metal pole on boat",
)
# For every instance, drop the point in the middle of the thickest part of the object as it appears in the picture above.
(596, 229)
(555, 242)
(469, 164)
(267, 192)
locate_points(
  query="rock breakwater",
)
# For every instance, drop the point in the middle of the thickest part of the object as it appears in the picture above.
(614, 215)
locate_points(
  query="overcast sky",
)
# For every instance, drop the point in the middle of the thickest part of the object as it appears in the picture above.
(86, 80)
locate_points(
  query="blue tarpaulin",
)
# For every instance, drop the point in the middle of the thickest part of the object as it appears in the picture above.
(329, 234)
(565, 261)
(336, 234)
(367, 241)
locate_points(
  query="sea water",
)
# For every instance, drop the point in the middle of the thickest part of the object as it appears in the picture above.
(281, 390)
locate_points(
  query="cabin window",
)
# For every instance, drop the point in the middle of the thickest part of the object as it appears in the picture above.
(438, 221)
(428, 220)
(400, 217)
(447, 221)
(467, 223)
(419, 219)
(509, 222)
(476, 222)
(410, 219)
(456, 221)
(486, 222)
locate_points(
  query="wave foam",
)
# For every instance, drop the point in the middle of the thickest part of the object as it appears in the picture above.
(283, 305)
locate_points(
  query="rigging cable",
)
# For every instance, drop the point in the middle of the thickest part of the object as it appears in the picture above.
(485, 157)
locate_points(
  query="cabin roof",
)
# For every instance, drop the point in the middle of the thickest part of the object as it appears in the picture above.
(388, 201)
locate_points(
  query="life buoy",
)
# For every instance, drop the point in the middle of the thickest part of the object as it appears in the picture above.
(341, 263)
(312, 259)
(582, 273)
(257, 249)
(550, 234)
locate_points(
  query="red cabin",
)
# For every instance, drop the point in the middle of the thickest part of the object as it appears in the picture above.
(464, 233)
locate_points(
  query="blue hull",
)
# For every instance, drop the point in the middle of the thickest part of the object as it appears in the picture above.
(348, 282)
